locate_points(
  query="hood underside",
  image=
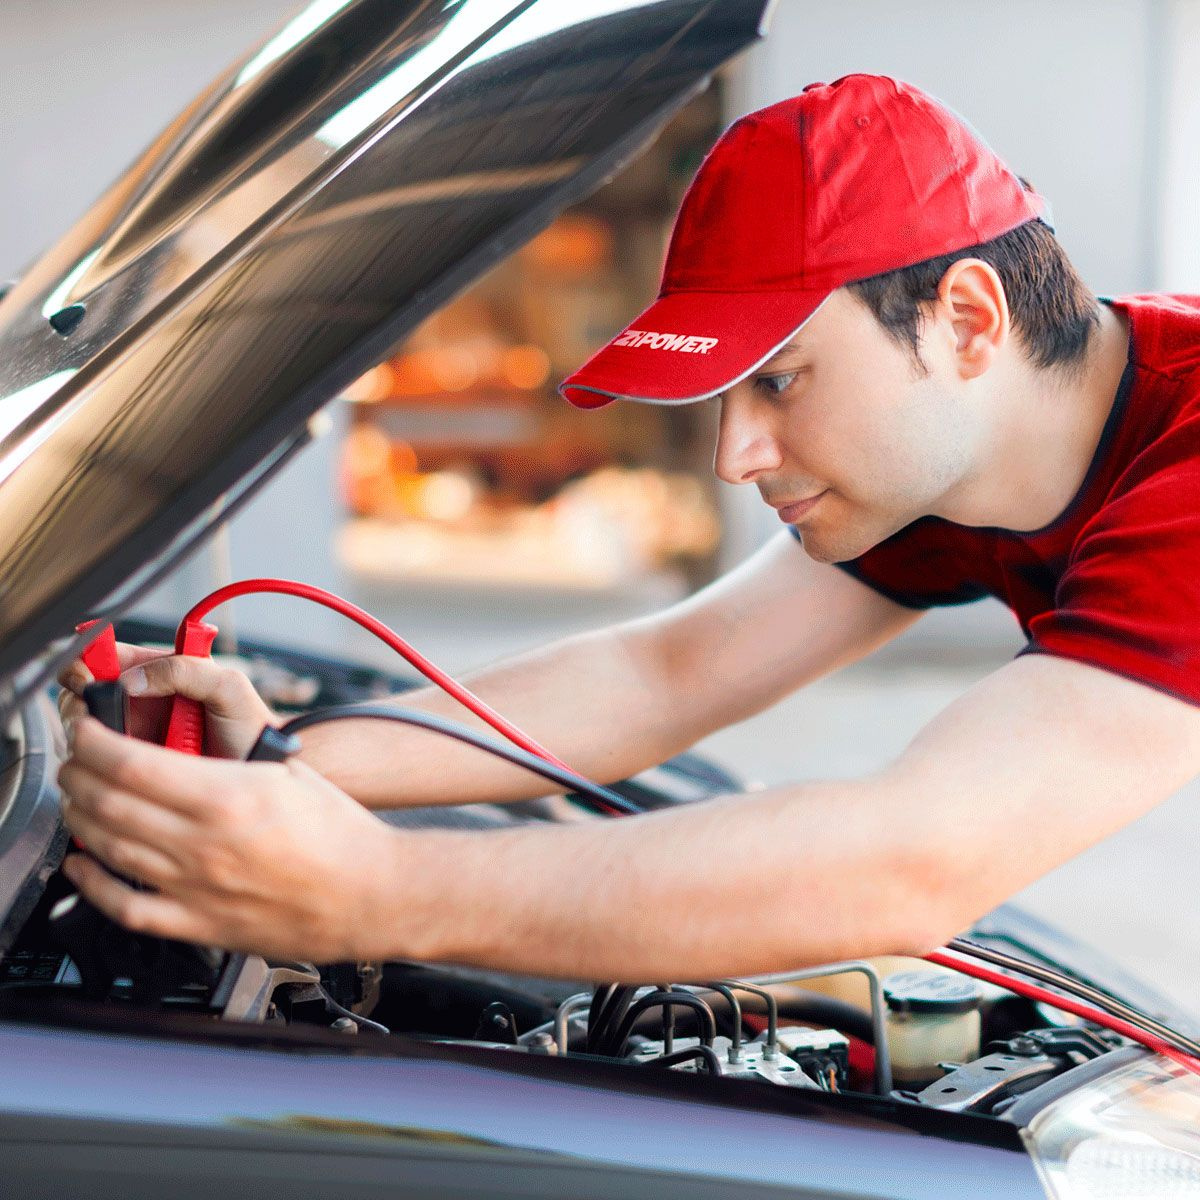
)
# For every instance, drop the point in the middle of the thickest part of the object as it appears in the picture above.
(308, 210)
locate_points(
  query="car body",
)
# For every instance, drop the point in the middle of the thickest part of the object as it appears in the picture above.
(308, 210)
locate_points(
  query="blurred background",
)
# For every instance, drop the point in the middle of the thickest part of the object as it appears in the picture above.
(459, 499)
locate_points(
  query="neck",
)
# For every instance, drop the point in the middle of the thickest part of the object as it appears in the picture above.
(1048, 426)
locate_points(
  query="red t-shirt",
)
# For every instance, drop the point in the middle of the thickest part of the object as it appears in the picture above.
(1115, 580)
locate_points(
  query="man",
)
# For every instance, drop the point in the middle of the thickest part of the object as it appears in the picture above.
(912, 374)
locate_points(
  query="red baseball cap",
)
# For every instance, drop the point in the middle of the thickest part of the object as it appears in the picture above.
(845, 181)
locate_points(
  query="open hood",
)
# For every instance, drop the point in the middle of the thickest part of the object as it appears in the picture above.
(307, 211)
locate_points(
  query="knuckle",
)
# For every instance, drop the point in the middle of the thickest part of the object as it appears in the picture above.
(120, 855)
(223, 808)
(129, 910)
(217, 867)
(227, 691)
(131, 775)
(108, 807)
(234, 692)
(169, 670)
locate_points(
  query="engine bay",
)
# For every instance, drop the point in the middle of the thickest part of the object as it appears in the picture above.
(782, 1035)
(978, 1048)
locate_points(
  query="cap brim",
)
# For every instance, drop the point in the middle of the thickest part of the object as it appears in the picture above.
(689, 346)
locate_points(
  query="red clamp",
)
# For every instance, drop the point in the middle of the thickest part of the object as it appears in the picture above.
(185, 728)
(100, 655)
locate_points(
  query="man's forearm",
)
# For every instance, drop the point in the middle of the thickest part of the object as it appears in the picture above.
(786, 878)
(596, 701)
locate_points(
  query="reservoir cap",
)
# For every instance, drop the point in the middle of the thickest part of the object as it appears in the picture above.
(932, 992)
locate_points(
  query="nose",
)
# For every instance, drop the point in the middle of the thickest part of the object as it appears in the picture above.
(746, 444)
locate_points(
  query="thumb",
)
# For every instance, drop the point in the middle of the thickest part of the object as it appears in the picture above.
(223, 690)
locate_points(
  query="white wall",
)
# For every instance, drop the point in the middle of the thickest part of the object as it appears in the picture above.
(1178, 246)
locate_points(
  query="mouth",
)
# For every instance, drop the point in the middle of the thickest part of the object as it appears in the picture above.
(793, 510)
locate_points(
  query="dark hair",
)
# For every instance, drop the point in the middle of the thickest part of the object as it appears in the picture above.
(1053, 311)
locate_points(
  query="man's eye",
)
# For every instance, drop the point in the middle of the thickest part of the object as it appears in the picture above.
(775, 384)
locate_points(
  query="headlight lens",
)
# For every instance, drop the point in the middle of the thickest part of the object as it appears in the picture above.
(1133, 1135)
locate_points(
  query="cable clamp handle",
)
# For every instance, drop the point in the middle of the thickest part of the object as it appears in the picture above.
(100, 655)
(185, 728)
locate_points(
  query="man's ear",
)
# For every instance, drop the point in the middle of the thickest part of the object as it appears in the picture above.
(971, 296)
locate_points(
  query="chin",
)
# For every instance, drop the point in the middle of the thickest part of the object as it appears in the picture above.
(825, 544)
(822, 549)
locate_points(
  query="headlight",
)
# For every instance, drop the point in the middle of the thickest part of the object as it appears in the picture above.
(1133, 1135)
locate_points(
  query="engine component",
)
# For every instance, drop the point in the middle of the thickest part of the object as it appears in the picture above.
(822, 1054)
(978, 1086)
(751, 1063)
(110, 958)
(932, 1016)
(817, 1058)
(1013, 1067)
(251, 989)
(883, 1063)
(667, 1000)
(497, 1024)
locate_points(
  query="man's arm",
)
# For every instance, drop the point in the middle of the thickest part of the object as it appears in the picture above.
(1033, 765)
(613, 702)
(1027, 769)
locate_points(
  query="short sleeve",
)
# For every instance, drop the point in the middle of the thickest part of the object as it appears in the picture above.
(1129, 599)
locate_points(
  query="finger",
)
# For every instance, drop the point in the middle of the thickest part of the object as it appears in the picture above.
(219, 688)
(130, 655)
(121, 854)
(74, 677)
(142, 912)
(188, 785)
(120, 813)
(70, 706)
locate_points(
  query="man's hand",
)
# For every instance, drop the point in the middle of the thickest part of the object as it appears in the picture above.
(234, 712)
(258, 857)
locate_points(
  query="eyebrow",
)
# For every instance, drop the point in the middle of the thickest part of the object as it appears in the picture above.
(782, 352)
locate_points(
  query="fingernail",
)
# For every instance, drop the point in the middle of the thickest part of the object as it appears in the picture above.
(69, 731)
(134, 681)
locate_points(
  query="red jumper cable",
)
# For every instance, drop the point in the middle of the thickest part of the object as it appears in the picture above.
(193, 622)
(194, 637)
(1033, 991)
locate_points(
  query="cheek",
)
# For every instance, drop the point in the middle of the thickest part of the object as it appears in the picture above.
(858, 447)
(903, 449)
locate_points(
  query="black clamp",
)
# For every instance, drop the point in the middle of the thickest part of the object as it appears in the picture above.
(274, 746)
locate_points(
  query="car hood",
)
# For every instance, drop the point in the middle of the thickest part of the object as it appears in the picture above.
(305, 212)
